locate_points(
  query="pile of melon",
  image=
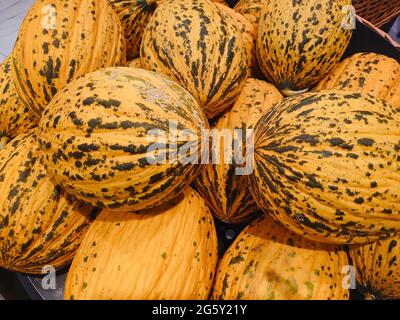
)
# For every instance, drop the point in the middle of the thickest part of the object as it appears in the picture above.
(103, 110)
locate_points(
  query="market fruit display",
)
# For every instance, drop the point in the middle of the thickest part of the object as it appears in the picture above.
(227, 193)
(15, 117)
(40, 225)
(199, 149)
(169, 252)
(205, 52)
(61, 40)
(376, 266)
(266, 262)
(134, 16)
(100, 136)
(299, 42)
(366, 72)
(326, 165)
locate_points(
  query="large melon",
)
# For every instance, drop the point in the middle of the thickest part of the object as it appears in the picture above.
(169, 252)
(299, 42)
(327, 166)
(108, 138)
(199, 46)
(61, 40)
(40, 225)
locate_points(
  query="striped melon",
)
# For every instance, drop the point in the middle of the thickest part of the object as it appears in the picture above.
(15, 117)
(366, 72)
(196, 44)
(249, 34)
(299, 42)
(267, 262)
(327, 166)
(40, 225)
(134, 16)
(169, 252)
(376, 266)
(227, 192)
(106, 138)
(61, 40)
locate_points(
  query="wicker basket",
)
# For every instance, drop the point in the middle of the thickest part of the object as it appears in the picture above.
(378, 12)
(379, 31)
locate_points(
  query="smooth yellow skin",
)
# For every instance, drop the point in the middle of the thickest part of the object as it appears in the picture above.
(169, 252)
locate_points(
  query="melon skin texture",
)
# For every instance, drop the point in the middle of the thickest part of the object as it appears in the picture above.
(169, 252)
(204, 51)
(299, 42)
(226, 192)
(134, 16)
(249, 34)
(60, 41)
(268, 262)
(98, 133)
(377, 268)
(15, 117)
(366, 72)
(326, 166)
(40, 224)
(251, 9)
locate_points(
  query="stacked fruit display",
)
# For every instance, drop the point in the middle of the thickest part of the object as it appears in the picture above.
(105, 162)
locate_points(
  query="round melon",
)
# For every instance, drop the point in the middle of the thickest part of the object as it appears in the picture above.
(60, 41)
(199, 46)
(327, 166)
(299, 42)
(123, 138)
